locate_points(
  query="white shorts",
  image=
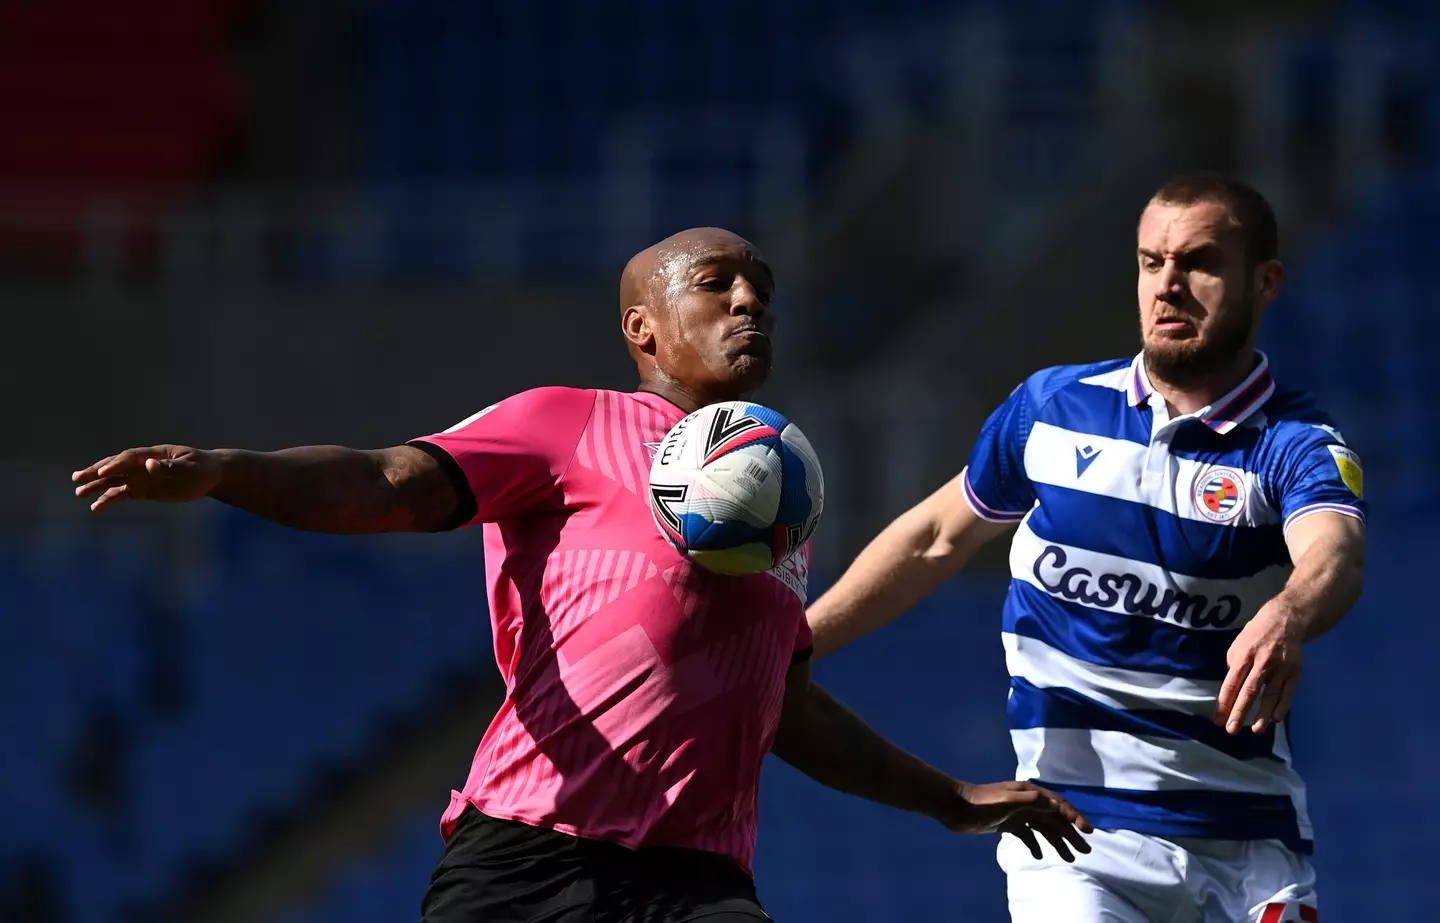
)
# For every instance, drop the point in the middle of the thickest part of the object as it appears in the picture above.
(1135, 878)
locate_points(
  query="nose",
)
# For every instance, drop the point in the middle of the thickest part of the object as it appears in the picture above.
(744, 300)
(1169, 282)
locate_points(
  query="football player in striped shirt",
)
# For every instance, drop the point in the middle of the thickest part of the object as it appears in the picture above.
(1182, 526)
(619, 780)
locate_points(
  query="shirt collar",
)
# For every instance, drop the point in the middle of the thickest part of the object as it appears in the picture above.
(1239, 405)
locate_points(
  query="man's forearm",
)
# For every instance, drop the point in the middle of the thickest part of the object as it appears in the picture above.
(1324, 586)
(833, 746)
(889, 577)
(905, 562)
(330, 488)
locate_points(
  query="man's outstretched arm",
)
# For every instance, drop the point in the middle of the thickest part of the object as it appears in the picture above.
(316, 488)
(921, 549)
(832, 745)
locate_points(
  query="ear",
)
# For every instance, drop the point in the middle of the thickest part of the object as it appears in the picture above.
(635, 324)
(1269, 277)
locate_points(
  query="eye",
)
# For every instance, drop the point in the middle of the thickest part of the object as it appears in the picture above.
(1207, 262)
(714, 284)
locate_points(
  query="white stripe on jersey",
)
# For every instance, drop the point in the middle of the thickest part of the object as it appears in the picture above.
(1119, 759)
(1110, 583)
(1118, 379)
(1050, 459)
(1045, 667)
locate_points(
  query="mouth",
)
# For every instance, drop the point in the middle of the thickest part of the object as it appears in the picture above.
(753, 340)
(1174, 326)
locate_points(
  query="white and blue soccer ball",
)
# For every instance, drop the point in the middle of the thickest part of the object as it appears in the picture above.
(736, 488)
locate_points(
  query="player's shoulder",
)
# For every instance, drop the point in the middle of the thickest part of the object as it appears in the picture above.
(1042, 386)
(554, 394)
(1293, 417)
(550, 400)
(549, 403)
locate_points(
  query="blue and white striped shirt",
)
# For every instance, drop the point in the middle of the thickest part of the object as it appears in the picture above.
(1145, 544)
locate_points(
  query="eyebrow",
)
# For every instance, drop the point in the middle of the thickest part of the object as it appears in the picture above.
(1188, 251)
(717, 259)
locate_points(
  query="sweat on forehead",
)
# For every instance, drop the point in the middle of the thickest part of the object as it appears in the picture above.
(661, 262)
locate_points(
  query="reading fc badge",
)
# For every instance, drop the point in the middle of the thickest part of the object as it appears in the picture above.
(1220, 494)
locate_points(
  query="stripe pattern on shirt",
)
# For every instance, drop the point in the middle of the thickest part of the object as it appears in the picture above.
(1145, 544)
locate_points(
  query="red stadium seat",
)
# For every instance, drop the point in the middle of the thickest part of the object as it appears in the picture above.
(108, 104)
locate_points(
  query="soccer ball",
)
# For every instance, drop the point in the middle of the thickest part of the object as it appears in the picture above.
(736, 488)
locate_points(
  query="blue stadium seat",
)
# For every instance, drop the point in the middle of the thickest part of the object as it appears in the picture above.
(296, 647)
(550, 82)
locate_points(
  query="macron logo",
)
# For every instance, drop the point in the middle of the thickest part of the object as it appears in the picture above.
(1084, 457)
(651, 448)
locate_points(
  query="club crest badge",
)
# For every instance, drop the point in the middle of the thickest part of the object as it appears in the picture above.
(1220, 494)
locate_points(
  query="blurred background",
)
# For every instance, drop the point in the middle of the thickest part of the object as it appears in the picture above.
(256, 223)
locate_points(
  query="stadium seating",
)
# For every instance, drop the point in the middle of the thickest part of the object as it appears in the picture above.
(295, 650)
(516, 112)
(1327, 321)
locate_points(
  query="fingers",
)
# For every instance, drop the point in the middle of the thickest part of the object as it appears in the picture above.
(1062, 825)
(1071, 831)
(1275, 702)
(97, 486)
(127, 462)
(1027, 836)
(1066, 809)
(1052, 817)
(1249, 693)
(111, 497)
(1061, 835)
(1230, 689)
(1053, 831)
(109, 480)
(85, 475)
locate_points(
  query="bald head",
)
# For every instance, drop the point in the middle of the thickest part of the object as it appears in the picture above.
(653, 270)
(695, 311)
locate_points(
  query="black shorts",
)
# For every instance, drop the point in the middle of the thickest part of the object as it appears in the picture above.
(500, 871)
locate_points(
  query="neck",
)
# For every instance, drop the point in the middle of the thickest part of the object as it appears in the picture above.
(686, 398)
(1192, 396)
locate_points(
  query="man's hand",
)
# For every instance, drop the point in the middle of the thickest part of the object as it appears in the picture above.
(169, 473)
(830, 744)
(1266, 659)
(1022, 809)
(319, 488)
(1265, 664)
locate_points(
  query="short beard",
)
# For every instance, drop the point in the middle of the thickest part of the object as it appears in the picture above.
(1190, 365)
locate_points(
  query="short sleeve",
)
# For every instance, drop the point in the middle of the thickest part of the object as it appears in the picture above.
(1317, 472)
(995, 481)
(794, 572)
(510, 456)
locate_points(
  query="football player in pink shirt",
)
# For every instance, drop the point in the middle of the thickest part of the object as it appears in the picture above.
(619, 780)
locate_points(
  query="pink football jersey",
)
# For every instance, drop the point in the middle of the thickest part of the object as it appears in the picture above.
(642, 692)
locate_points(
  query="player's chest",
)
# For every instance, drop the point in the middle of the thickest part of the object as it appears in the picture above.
(603, 583)
(1189, 483)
